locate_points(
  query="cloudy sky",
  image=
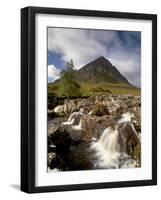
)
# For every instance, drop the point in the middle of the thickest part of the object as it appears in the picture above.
(122, 48)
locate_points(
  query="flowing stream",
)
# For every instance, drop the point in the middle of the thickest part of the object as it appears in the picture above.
(108, 147)
(105, 153)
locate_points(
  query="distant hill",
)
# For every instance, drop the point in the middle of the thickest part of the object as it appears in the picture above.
(99, 77)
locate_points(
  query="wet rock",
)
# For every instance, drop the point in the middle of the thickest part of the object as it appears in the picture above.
(129, 140)
(68, 138)
(137, 118)
(86, 103)
(51, 146)
(51, 156)
(51, 114)
(54, 101)
(74, 105)
(53, 128)
(93, 126)
(55, 161)
(59, 110)
(70, 106)
(60, 137)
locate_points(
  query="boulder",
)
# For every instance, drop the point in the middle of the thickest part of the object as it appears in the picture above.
(74, 105)
(60, 136)
(59, 110)
(55, 127)
(99, 110)
(55, 161)
(51, 156)
(86, 102)
(93, 126)
(129, 140)
(70, 106)
(53, 101)
(51, 114)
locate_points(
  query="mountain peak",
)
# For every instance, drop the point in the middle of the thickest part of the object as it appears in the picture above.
(100, 70)
(101, 58)
(99, 61)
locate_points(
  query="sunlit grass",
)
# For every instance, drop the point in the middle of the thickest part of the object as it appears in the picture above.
(87, 89)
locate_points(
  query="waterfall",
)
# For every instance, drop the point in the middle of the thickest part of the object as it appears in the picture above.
(74, 125)
(126, 117)
(108, 147)
(77, 127)
(109, 140)
(72, 118)
(69, 122)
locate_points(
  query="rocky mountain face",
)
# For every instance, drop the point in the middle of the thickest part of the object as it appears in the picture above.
(100, 70)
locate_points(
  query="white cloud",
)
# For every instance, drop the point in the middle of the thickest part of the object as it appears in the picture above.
(128, 62)
(83, 46)
(53, 73)
(129, 68)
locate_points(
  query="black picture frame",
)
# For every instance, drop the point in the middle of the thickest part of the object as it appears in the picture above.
(28, 98)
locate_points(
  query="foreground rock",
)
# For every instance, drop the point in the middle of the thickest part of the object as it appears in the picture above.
(84, 121)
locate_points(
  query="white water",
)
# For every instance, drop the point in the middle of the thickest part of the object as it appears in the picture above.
(74, 125)
(108, 148)
(68, 122)
(108, 140)
(72, 117)
(126, 117)
(77, 127)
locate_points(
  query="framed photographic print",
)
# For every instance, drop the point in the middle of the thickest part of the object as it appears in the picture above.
(88, 99)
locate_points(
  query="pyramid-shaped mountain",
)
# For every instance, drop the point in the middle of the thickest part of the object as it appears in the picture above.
(98, 77)
(100, 70)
